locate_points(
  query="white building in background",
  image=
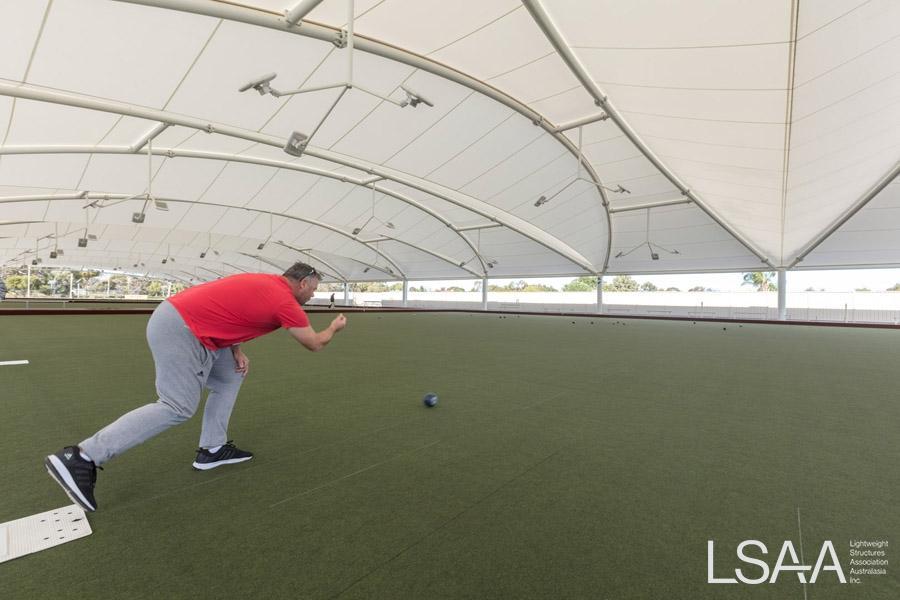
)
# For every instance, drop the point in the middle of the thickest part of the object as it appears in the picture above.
(856, 307)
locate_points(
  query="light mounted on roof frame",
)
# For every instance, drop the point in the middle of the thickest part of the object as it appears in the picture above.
(55, 252)
(650, 245)
(297, 142)
(263, 243)
(139, 217)
(544, 199)
(372, 217)
(488, 262)
(209, 247)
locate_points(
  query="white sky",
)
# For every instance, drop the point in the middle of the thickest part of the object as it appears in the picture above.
(798, 281)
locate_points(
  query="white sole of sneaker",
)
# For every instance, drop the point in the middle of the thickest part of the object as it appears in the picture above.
(218, 463)
(61, 475)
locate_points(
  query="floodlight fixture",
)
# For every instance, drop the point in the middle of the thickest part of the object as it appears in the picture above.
(261, 85)
(138, 217)
(299, 12)
(92, 237)
(414, 98)
(160, 205)
(208, 246)
(54, 254)
(540, 201)
(82, 242)
(296, 143)
(366, 270)
(165, 260)
(59, 251)
(263, 243)
(372, 217)
(652, 247)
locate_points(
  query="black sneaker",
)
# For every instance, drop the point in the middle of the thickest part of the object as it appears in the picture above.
(228, 454)
(76, 475)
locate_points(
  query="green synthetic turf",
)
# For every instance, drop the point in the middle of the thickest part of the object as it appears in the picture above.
(563, 461)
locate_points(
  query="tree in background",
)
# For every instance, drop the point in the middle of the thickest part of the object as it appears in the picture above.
(331, 287)
(521, 286)
(375, 286)
(896, 288)
(622, 283)
(56, 282)
(648, 286)
(761, 280)
(582, 284)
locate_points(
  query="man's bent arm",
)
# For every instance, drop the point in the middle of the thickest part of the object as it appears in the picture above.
(316, 340)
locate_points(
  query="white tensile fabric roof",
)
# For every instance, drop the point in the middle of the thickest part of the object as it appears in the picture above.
(716, 135)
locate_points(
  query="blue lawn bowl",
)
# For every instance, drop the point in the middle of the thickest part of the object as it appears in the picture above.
(430, 400)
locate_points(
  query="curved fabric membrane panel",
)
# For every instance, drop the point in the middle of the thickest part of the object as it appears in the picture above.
(554, 133)
(869, 237)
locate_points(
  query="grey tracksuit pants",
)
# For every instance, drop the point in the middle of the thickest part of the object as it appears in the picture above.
(183, 368)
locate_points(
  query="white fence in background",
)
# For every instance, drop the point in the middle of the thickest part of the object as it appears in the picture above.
(849, 307)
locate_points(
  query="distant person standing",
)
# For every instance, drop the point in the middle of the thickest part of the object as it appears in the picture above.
(331, 302)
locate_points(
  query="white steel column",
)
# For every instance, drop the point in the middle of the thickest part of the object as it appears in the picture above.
(346, 293)
(600, 293)
(484, 292)
(28, 291)
(782, 295)
(405, 293)
(71, 285)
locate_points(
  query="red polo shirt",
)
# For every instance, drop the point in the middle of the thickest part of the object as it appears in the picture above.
(238, 308)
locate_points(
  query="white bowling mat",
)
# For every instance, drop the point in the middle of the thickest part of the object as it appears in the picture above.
(42, 531)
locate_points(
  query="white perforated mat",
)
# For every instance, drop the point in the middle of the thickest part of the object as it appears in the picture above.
(41, 531)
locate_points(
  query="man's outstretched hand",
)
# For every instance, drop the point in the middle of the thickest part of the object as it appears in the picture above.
(241, 362)
(339, 323)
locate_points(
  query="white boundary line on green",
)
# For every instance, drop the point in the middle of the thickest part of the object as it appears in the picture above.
(13, 362)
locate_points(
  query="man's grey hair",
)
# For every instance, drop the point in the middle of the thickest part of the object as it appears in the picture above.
(300, 271)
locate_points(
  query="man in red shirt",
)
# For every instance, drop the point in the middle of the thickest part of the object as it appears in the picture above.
(195, 339)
